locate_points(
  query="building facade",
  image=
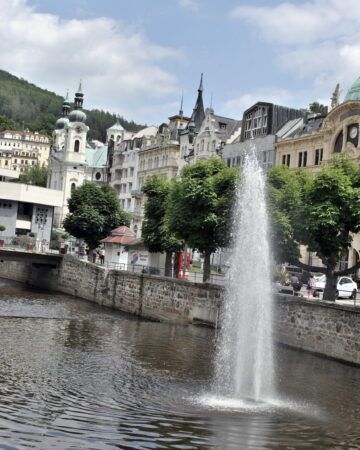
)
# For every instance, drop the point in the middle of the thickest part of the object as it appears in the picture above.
(124, 170)
(262, 124)
(20, 150)
(25, 208)
(317, 141)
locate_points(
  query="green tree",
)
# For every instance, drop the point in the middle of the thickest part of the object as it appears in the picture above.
(199, 208)
(7, 124)
(321, 212)
(35, 175)
(317, 108)
(93, 212)
(155, 230)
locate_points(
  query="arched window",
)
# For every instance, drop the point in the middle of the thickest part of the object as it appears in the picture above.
(338, 143)
(76, 145)
(73, 186)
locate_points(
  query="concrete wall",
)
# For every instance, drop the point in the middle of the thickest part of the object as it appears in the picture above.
(320, 327)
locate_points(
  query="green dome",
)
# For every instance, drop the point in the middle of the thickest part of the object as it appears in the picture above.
(60, 123)
(354, 92)
(77, 116)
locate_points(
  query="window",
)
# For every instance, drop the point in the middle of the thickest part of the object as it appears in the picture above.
(73, 186)
(318, 156)
(285, 160)
(338, 143)
(76, 145)
(302, 161)
(98, 176)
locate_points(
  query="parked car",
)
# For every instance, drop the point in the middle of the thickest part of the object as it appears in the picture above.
(346, 287)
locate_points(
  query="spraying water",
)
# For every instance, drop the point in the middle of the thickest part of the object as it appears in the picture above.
(244, 362)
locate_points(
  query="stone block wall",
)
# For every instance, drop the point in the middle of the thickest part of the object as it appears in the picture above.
(320, 327)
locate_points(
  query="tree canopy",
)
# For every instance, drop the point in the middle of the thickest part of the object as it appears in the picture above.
(93, 212)
(35, 175)
(320, 211)
(199, 209)
(155, 230)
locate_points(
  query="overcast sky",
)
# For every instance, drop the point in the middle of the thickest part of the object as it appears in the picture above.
(135, 57)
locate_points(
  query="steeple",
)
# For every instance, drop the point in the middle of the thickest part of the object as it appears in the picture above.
(79, 97)
(181, 112)
(198, 114)
(66, 105)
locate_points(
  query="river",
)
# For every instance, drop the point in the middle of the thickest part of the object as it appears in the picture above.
(74, 375)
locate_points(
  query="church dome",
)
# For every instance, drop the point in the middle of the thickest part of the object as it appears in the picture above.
(77, 116)
(354, 92)
(60, 123)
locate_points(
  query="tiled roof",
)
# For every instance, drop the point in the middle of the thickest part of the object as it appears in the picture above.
(313, 125)
(123, 230)
(118, 239)
(231, 126)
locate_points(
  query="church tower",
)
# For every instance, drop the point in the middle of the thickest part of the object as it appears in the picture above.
(67, 162)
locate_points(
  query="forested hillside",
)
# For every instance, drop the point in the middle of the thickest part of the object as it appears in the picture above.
(24, 105)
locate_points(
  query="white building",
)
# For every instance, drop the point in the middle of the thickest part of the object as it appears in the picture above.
(124, 168)
(72, 162)
(25, 208)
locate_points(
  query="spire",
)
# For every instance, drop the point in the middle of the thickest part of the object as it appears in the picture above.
(201, 83)
(181, 112)
(66, 105)
(79, 97)
(198, 114)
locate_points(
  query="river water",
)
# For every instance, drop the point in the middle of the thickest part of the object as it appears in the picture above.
(76, 376)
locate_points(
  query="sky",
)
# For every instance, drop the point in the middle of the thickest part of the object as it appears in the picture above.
(137, 57)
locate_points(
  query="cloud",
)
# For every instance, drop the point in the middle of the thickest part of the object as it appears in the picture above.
(191, 5)
(316, 41)
(121, 69)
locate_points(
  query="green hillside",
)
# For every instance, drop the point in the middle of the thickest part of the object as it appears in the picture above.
(24, 105)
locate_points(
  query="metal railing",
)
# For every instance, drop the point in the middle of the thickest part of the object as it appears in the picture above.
(194, 276)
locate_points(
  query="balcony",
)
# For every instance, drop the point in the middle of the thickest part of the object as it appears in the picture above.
(137, 193)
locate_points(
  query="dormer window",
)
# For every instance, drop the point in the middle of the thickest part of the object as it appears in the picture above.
(222, 126)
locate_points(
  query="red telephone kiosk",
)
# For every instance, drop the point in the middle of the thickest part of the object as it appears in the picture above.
(180, 266)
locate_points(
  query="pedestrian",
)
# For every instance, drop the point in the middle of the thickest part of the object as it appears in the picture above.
(102, 255)
(311, 286)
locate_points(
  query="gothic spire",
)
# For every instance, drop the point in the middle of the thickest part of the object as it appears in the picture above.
(198, 114)
(181, 112)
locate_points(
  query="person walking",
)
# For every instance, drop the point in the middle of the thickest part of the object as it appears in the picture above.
(102, 255)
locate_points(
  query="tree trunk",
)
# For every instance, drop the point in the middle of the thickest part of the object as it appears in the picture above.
(168, 259)
(184, 261)
(330, 291)
(206, 275)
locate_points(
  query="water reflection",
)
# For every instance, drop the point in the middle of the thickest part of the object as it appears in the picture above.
(73, 375)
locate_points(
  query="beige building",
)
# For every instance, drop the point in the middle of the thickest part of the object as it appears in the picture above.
(20, 150)
(321, 138)
(159, 157)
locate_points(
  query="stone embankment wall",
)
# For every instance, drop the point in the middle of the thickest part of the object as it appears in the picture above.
(157, 298)
(320, 327)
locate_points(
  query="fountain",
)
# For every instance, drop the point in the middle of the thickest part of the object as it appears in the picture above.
(244, 361)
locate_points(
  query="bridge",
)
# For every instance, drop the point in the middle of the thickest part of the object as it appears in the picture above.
(52, 260)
